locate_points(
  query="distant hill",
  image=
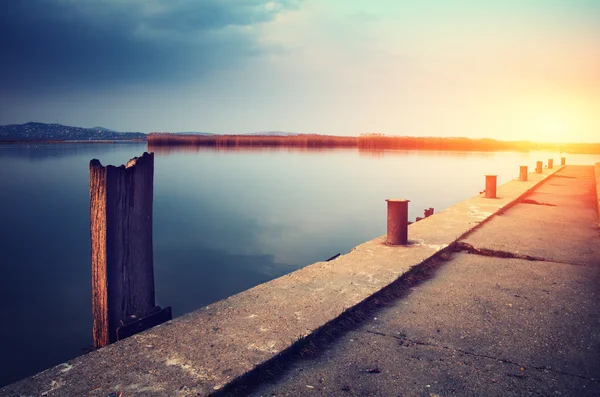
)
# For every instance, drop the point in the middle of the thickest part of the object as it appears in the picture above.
(102, 129)
(57, 132)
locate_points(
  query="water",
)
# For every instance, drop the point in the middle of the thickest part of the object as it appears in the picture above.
(223, 222)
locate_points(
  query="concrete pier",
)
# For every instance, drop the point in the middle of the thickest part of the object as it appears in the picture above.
(206, 351)
(511, 311)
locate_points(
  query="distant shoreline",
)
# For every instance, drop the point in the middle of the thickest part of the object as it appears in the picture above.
(162, 142)
(371, 142)
(36, 142)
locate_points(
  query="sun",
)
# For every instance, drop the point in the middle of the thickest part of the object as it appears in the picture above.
(552, 119)
(550, 127)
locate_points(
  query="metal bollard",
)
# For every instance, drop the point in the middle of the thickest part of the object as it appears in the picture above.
(563, 161)
(539, 166)
(523, 173)
(397, 222)
(550, 163)
(490, 186)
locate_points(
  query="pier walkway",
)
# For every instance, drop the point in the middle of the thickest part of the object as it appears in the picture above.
(513, 311)
(490, 297)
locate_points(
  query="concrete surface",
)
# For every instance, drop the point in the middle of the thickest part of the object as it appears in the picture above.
(448, 225)
(561, 231)
(203, 351)
(483, 325)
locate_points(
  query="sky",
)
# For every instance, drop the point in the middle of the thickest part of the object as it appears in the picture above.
(511, 69)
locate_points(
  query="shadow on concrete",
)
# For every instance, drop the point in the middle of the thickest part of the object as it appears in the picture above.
(315, 344)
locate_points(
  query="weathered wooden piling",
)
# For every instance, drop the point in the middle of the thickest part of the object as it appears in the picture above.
(121, 233)
(563, 161)
(539, 167)
(550, 163)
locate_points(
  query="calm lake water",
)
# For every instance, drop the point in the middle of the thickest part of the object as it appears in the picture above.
(224, 221)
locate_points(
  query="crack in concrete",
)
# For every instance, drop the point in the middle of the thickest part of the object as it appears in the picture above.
(407, 342)
(530, 201)
(564, 176)
(462, 246)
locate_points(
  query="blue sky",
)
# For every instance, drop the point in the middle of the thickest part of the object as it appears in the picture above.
(507, 70)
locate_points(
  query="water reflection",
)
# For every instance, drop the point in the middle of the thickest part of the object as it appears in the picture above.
(42, 151)
(404, 153)
(224, 220)
(164, 150)
(229, 274)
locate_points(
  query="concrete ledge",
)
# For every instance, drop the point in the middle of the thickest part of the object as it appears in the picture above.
(205, 350)
(597, 174)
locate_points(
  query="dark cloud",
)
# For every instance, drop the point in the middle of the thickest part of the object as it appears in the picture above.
(66, 44)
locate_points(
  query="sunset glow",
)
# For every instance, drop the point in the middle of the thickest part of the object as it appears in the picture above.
(508, 70)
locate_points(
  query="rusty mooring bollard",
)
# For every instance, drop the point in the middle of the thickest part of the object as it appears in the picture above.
(397, 222)
(538, 167)
(550, 163)
(563, 161)
(490, 186)
(523, 173)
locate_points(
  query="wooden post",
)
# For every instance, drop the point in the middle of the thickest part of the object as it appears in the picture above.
(121, 234)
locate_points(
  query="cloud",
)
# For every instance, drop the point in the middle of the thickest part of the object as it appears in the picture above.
(69, 44)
